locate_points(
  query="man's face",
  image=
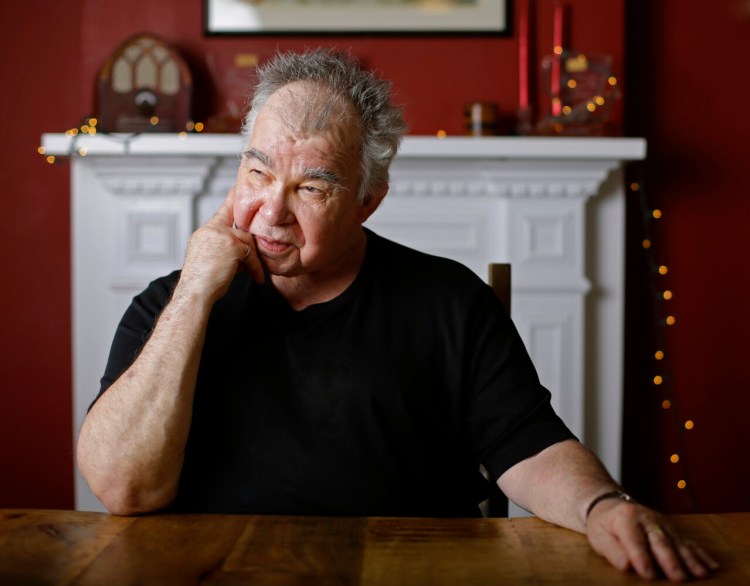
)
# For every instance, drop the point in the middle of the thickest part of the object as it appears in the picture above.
(296, 192)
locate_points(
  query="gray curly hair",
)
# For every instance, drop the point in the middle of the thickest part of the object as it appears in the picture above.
(341, 80)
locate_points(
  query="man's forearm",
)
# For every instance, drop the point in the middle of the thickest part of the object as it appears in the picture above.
(558, 484)
(131, 445)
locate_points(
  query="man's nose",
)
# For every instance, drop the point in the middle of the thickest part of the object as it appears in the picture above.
(275, 208)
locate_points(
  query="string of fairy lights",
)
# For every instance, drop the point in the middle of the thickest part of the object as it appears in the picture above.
(88, 128)
(661, 381)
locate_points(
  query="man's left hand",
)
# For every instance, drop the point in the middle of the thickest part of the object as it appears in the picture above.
(631, 536)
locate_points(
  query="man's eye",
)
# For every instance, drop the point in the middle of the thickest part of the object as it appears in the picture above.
(253, 173)
(312, 191)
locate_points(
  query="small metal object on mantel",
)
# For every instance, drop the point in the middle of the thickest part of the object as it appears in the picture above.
(144, 86)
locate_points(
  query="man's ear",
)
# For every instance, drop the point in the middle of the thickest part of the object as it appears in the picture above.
(372, 203)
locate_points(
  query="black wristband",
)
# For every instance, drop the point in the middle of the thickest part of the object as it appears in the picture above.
(615, 494)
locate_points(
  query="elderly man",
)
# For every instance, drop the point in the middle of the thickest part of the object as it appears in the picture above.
(301, 364)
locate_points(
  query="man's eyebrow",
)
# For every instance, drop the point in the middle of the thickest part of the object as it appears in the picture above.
(253, 153)
(324, 175)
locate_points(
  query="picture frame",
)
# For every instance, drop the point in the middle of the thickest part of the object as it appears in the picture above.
(345, 17)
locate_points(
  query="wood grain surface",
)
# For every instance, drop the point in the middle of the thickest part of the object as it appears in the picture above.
(67, 547)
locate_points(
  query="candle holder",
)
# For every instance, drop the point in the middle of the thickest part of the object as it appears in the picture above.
(481, 119)
(525, 121)
(582, 91)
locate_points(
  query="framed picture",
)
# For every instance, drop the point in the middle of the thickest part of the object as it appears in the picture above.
(246, 17)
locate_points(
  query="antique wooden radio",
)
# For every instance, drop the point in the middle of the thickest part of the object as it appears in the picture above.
(145, 86)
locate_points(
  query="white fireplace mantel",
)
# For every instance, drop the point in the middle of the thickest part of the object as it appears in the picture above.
(552, 207)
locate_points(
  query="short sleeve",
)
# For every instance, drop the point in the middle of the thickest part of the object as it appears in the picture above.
(510, 414)
(135, 327)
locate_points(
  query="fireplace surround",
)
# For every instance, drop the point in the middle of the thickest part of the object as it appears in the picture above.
(552, 207)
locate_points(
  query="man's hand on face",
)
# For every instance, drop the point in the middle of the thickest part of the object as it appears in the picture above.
(216, 251)
(632, 536)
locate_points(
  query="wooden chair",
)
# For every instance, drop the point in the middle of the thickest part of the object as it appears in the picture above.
(499, 276)
(496, 504)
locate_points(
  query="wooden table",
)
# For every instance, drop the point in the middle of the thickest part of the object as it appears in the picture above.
(66, 547)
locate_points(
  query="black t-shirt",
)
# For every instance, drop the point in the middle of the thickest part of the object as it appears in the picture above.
(382, 401)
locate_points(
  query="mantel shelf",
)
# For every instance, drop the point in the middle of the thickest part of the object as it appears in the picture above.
(528, 148)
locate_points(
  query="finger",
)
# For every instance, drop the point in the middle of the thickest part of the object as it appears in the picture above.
(248, 256)
(637, 549)
(244, 207)
(229, 199)
(224, 214)
(697, 561)
(611, 549)
(665, 553)
(705, 557)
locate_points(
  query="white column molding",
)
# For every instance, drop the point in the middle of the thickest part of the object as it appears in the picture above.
(138, 175)
(491, 178)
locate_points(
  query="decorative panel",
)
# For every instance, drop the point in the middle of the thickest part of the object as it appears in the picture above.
(547, 239)
(152, 238)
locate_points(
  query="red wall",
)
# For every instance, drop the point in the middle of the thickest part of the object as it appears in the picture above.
(49, 63)
(39, 81)
(691, 77)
